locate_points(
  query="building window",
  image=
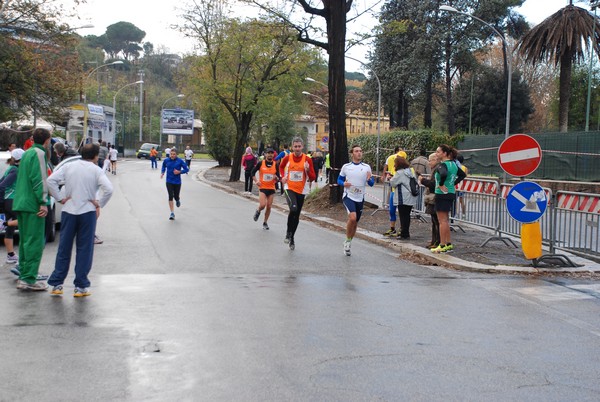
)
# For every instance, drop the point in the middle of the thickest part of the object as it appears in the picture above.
(362, 128)
(317, 127)
(326, 127)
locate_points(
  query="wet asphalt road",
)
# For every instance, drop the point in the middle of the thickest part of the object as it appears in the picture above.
(210, 307)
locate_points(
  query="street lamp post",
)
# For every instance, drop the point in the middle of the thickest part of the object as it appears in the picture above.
(115, 107)
(508, 61)
(96, 69)
(85, 106)
(378, 108)
(160, 117)
(313, 95)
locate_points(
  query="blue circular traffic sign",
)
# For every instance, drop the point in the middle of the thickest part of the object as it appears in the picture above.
(526, 202)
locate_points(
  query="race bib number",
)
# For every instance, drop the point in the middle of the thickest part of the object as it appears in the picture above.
(356, 190)
(268, 177)
(296, 176)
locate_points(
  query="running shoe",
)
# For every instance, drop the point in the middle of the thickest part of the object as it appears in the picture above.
(390, 232)
(256, 215)
(287, 238)
(347, 247)
(57, 290)
(98, 240)
(439, 249)
(42, 277)
(448, 248)
(172, 216)
(81, 292)
(292, 244)
(15, 270)
(38, 286)
(12, 259)
(177, 203)
(265, 226)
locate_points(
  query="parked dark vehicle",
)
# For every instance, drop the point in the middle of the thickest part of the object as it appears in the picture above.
(144, 151)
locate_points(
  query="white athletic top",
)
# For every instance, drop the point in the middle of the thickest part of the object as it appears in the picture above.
(356, 174)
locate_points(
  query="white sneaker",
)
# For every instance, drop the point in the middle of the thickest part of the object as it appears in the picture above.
(347, 247)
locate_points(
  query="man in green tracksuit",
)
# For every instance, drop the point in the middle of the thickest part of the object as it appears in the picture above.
(31, 205)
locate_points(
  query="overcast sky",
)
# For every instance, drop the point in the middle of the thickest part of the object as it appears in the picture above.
(156, 18)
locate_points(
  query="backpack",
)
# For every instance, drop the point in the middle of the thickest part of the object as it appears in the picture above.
(414, 186)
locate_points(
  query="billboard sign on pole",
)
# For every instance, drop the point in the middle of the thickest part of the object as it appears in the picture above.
(177, 121)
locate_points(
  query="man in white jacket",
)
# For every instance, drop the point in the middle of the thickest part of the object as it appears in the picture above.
(86, 190)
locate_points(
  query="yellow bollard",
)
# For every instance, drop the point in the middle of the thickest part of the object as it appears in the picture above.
(531, 240)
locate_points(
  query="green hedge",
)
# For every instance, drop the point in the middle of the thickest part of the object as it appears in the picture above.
(409, 141)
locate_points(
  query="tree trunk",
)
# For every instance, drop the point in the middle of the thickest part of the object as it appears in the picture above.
(427, 120)
(564, 92)
(338, 142)
(243, 132)
(405, 113)
(400, 108)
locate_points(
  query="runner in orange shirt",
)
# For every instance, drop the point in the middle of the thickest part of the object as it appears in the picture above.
(268, 176)
(295, 169)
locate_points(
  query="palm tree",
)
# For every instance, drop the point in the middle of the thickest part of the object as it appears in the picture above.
(561, 38)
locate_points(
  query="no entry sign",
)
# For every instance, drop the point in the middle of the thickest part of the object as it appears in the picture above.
(519, 155)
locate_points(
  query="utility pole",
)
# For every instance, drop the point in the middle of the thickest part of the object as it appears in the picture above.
(141, 78)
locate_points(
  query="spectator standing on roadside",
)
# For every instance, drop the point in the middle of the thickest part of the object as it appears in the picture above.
(11, 147)
(447, 175)
(460, 195)
(7, 190)
(318, 162)
(403, 197)
(113, 156)
(189, 154)
(295, 169)
(388, 172)
(354, 177)
(31, 205)
(83, 181)
(174, 167)
(28, 143)
(327, 164)
(248, 163)
(429, 199)
(421, 164)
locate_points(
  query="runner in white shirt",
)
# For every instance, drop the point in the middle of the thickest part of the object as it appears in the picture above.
(112, 155)
(189, 154)
(354, 177)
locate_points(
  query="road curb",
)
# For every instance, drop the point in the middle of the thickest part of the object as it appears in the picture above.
(408, 250)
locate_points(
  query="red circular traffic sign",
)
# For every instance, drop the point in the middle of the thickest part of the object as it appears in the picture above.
(519, 155)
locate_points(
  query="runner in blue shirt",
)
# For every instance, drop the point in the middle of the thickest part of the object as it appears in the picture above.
(174, 167)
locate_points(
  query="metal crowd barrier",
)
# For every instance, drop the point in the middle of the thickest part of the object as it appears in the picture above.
(571, 222)
(576, 221)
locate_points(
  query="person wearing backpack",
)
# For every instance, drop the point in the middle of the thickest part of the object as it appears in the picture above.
(248, 163)
(404, 197)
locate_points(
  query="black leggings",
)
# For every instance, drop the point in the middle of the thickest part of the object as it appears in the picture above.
(404, 214)
(295, 202)
(173, 190)
(248, 180)
(9, 214)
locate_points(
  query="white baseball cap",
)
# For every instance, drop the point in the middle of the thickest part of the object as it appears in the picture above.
(17, 154)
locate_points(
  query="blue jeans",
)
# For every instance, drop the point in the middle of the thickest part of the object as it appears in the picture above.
(392, 208)
(153, 164)
(79, 228)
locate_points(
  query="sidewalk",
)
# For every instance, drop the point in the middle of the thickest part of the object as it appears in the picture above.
(496, 256)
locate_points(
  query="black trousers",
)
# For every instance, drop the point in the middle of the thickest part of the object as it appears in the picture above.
(295, 202)
(248, 180)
